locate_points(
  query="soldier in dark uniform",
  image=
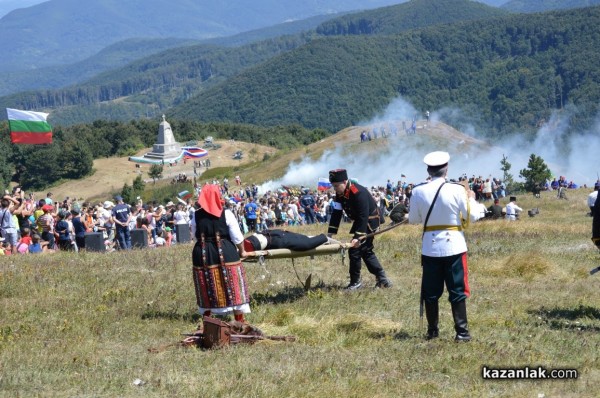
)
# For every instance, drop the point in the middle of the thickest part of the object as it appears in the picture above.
(359, 206)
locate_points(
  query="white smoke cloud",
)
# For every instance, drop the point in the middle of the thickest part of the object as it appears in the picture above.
(574, 157)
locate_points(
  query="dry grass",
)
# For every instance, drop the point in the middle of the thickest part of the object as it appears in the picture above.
(81, 325)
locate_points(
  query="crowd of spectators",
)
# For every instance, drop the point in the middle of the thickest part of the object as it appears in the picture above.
(44, 226)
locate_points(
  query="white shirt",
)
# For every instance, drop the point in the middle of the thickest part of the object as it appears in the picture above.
(294, 209)
(451, 208)
(592, 198)
(235, 233)
(511, 211)
(180, 217)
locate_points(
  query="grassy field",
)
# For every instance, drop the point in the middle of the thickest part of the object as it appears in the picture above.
(81, 325)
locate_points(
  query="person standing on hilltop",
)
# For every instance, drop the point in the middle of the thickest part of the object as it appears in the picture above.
(444, 209)
(359, 205)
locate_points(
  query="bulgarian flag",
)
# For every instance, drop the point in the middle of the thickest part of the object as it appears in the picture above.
(185, 195)
(27, 127)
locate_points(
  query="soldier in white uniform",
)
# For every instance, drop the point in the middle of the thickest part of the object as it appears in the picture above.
(512, 210)
(444, 209)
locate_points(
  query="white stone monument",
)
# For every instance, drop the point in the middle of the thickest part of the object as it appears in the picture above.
(166, 147)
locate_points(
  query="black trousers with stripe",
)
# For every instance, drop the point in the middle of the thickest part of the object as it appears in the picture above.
(451, 270)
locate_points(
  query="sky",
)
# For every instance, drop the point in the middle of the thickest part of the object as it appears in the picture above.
(8, 5)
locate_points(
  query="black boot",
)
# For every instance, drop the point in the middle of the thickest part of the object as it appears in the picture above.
(383, 281)
(432, 313)
(459, 312)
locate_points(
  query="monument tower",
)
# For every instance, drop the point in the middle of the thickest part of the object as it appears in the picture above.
(166, 147)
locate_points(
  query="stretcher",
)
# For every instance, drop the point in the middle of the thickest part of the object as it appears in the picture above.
(326, 249)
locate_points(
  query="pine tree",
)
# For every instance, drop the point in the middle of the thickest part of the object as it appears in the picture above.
(536, 173)
(507, 178)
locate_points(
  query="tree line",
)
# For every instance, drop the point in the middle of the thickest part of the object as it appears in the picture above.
(74, 148)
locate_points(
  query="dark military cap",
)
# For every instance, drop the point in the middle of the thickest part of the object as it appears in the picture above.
(338, 175)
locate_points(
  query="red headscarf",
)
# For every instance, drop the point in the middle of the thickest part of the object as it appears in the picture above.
(210, 200)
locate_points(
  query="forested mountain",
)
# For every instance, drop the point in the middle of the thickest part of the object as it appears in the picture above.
(112, 57)
(124, 52)
(546, 5)
(149, 86)
(152, 84)
(411, 15)
(510, 73)
(66, 31)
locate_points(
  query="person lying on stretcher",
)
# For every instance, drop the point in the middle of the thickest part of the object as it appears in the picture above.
(280, 239)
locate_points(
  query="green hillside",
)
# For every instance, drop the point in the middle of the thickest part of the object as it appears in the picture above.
(411, 15)
(546, 5)
(507, 74)
(153, 84)
(59, 32)
(120, 54)
(113, 56)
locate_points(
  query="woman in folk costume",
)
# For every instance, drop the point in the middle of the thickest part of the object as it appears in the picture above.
(219, 276)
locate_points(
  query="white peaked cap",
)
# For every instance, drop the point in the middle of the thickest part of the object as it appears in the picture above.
(436, 159)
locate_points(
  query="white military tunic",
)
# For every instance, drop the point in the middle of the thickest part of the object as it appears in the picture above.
(443, 236)
(511, 211)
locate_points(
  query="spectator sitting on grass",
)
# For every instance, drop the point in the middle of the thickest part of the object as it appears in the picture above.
(24, 242)
(160, 241)
(38, 246)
